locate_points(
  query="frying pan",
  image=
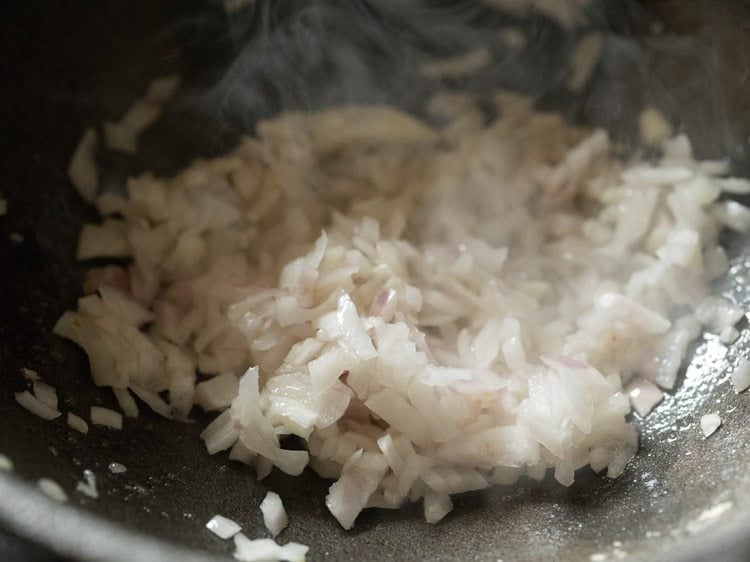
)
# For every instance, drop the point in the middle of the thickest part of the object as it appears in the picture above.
(67, 65)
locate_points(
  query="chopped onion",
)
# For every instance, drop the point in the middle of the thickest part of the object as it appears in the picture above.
(274, 514)
(45, 393)
(107, 240)
(109, 203)
(88, 487)
(120, 138)
(35, 406)
(30, 374)
(654, 127)
(6, 465)
(116, 468)
(126, 402)
(153, 401)
(359, 479)
(216, 393)
(656, 176)
(436, 506)
(729, 335)
(718, 314)
(669, 352)
(163, 88)
(735, 186)
(459, 66)
(123, 135)
(77, 423)
(734, 215)
(221, 433)
(584, 60)
(741, 376)
(223, 527)
(52, 489)
(267, 550)
(106, 417)
(644, 395)
(710, 423)
(82, 169)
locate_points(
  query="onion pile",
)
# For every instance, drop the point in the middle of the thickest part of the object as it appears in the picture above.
(430, 307)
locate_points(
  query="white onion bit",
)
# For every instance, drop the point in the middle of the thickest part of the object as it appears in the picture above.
(644, 395)
(82, 169)
(736, 186)
(584, 60)
(729, 335)
(116, 468)
(126, 402)
(106, 417)
(52, 489)
(123, 134)
(36, 406)
(267, 550)
(710, 423)
(223, 527)
(6, 465)
(741, 376)
(274, 514)
(45, 393)
(88, 487)
(654, 126)
(77, 423)
(30, 374)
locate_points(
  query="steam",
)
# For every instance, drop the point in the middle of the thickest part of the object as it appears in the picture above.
(307, 55)
(319, 54)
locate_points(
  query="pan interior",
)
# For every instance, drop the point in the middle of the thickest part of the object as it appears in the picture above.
(679, 498)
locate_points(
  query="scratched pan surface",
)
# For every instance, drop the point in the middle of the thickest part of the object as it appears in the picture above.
(66, 65)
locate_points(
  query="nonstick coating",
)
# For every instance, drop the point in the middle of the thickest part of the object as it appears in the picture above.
(65, 65)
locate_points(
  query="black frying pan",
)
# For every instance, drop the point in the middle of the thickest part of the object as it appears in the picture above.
(66, 65)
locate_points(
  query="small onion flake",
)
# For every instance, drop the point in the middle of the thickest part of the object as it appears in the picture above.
(741, 376)
(106, 417)
(223, 527)
(709, 424)
(52, 489)
(274, 514)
